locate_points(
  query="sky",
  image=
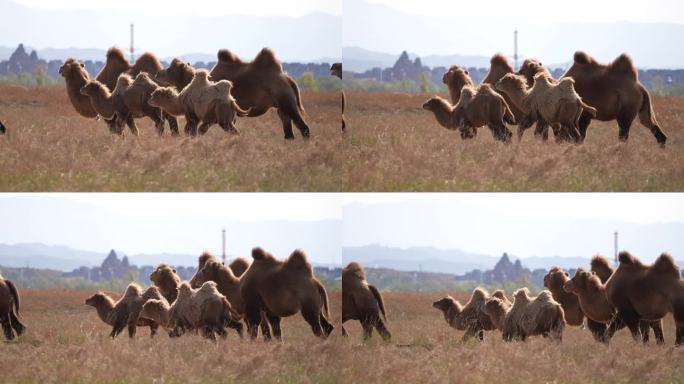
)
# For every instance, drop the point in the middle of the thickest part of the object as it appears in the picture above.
(550, 31)
(298, 30)
(153, 223)
(525, 224)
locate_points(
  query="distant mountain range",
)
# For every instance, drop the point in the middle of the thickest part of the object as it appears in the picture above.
(452, 261)
(358, 59)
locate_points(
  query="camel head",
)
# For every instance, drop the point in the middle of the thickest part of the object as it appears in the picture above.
(336, 70)
(435, 103)
(511, 83)
(72, 68)
(162, 274)
(175, 74)
(456, 77)
(96, 300)
(94, 87)
(579, 282)
(209, 272)
(555, 278)
(529, 68)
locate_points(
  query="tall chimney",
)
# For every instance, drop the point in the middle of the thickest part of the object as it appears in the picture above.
(615, 234)
(132, 46)
(515, 48)
(223, 246)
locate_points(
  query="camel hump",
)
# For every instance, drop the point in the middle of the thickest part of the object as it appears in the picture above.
(626, 258)
(355, 269)
(266, 59)
(224, 86)
(666, 265)
(227, 56)
(133, 289)
(499, 60)
(479, 294)
(545, 296)
(581, 57)
(259, 253)
(499, 294)
(204, 257)
(297, 260)
(599, 262)
(623, 65)
(209, 287)
(115, 53)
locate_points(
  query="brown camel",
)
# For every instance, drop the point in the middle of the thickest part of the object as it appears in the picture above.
(615, 92)
(283, 288)
(262, 84)
(104, 305)
(117, 64)
(9, 309)
(76, 77)
(109, 105)
(528, 316)
(648, 292)
(471, 318)
(498, 68)
(336, 70)
(554, 280)
(483, 106)
(126, 311)
(167, 280)
(239, 265)
(136, 97)
(363, 302)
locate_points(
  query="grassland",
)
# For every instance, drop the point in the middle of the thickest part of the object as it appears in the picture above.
(425, 350)
(391, 145)
(67, 343)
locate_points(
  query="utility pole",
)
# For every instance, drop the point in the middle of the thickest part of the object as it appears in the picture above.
(615, 235)
(132, 46)
(515, 48)
(223, 247)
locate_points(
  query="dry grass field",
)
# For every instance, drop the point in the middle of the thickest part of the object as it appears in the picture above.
(425, 350)
(67, 343)
(392, 145)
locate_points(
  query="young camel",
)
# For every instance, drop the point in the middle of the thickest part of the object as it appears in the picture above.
(135, 95)
(105, 104)
(546, 102)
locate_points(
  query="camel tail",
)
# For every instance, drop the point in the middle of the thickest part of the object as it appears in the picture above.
(646, 114)
(240, 112)
(298, 96)
(15, 295)
(378, 297)
(588, 108)
(324, 296)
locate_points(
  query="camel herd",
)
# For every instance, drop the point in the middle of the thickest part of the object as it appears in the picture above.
(259, 294)
(588, 90)
(122, 92)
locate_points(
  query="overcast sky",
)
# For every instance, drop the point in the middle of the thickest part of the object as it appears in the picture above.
(299, 30)
(522, 224)
(550, 31)
(176, 223)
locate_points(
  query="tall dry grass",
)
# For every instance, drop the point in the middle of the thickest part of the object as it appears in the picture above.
(391, 145)
(425, 350)
(67, 343)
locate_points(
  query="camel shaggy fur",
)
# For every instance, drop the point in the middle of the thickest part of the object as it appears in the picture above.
(281, 289)
(552, 103)
(117, 64)
(470, 318)
(484, 106)
(529, 68)
(209, 102)
(110, 105)
(262, 84)
(166, 279)
(76, 77)
(615, 92)
(135, 95)
(498, 68)
(9, 310)
(104, 305)
(203, 309)
(455, 79)
(239, 265)
(638, 291)
(126, 311)
(363, 302)
(554, 280)
(178, 74)
(529, 316)
(336, 70)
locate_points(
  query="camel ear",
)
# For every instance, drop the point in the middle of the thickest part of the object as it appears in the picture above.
(466, 71)
(174, 270)
(566, 273)
(188, 64)
(82, 65)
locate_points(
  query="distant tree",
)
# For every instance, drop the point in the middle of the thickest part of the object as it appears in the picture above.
(307, 81)
(41, 76)
(424, 83)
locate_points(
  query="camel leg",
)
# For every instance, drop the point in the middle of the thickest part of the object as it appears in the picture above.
(344, 332)
(173, 123)
(191, 122)
(500, 131)
(265, 328)
(644, 329)
(658, 133)
(657, 327)
(154, 327)
(253, 319)
(327, 327)
(287, 125)
(382, 329)
(7, 327)
(678, 314)
(597, 329)
(132, 328)
(614, 325)
(312, 316)
(625, 123)
(367, 326)
(274, 321)
(204, 127)
(131, 125)
(631, 319)
(236, 325)
(583, 124)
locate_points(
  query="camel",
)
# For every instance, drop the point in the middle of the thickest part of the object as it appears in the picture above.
(336, 70)
(363, 302)
(554, 280)
(529, 316)
(202, 309)
(76, 77)
(239, 265)
(648, 292)
(117, 64)
(471, 317)
(104, 305)
(3, 130)
(498, 68)
(551, 102)
(455, 79)
(444, 114)
(107, 104)
(165, 278)
(262, 84)
(210, 102)
(281, 289)
(615, 92)
(135, 95)
(126, 311)
(9, 310)
(529, 68)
